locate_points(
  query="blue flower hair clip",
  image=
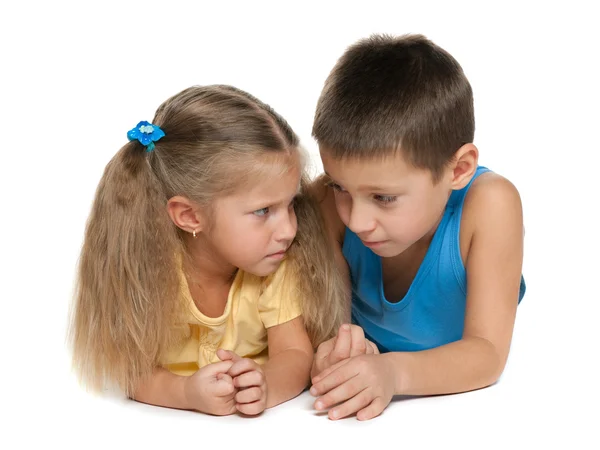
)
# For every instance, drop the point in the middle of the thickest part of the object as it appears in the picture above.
(146, 133)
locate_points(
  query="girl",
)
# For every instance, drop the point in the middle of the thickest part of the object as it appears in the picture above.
(205, 281)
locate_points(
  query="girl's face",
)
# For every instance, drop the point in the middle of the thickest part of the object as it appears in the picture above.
(253, 228)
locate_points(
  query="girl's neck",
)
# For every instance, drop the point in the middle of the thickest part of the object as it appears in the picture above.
(207, 268)
(209, 279)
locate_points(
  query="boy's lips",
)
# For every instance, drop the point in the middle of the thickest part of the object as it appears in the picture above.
(373, 243)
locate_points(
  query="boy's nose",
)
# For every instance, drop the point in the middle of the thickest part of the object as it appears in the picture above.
(360, 220)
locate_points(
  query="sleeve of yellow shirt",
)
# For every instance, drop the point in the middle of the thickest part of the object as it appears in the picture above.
(279, 302)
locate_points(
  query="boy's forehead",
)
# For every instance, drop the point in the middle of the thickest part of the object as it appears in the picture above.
(393, 163)
(372, 173)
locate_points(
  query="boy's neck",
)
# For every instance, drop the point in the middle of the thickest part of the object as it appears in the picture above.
(398, 272)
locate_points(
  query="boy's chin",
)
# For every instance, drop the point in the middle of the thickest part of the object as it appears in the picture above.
(388, 250)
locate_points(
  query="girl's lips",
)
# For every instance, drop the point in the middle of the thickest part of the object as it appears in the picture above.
(277, 255)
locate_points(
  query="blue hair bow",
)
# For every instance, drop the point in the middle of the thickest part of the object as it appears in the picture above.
(146, 133)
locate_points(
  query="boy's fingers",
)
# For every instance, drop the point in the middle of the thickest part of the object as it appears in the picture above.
(358, 344)
(327, 371)
(372, 348)
(352, 405)
(339, 390)
(342, 345)
(375, 408)
(325, 348)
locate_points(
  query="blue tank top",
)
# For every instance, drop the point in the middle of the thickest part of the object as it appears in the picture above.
(432, 312)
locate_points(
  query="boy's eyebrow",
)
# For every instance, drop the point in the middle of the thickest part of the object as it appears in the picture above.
(374, 187)
(328, 178)
(370, 187)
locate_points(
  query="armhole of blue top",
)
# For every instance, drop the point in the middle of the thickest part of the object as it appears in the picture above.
(460, 271)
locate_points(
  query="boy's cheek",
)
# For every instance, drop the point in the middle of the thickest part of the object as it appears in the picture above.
(343, 211)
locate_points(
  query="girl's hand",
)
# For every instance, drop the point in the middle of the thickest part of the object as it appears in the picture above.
(349, 342)
(211, 390)
(249, 378)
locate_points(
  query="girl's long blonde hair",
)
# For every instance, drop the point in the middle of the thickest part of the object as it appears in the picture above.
(126, 312)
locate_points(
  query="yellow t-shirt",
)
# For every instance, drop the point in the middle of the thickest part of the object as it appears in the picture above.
(253, 305)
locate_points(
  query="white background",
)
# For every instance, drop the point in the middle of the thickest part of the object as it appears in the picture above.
(76, 76)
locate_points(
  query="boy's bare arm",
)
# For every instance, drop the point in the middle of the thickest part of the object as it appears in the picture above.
(493, 265)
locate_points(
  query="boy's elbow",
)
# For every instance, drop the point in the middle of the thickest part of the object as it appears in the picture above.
(493, 363)
(497, 371)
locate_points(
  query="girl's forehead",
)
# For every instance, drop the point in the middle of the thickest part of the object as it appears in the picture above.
(269, 182)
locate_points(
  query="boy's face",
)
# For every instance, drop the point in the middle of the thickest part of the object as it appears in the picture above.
(388, 203)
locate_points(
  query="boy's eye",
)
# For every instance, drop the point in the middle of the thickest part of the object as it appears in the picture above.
(385, 198)
(335, 186)
(261, 212)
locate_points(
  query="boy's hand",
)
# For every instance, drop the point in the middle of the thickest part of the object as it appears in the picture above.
(249, 378)
(364, 385)
(211, 390)
(350, 341)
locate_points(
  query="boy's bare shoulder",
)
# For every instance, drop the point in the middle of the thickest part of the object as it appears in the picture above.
(324, 195)
(492, 191)
(492, 202)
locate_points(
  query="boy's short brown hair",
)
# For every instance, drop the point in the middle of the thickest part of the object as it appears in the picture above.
(388, 94)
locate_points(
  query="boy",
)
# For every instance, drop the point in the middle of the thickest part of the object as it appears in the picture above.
(433, 243)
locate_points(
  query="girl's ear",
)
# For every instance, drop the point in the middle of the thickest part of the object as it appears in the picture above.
(185, 214)
(464, 166)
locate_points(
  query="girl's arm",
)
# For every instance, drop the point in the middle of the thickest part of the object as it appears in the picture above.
(493, 264)
(209, 390)
(290, 359)
(282, 377)
(163, 388)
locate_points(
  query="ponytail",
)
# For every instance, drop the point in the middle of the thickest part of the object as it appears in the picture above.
(125, 311)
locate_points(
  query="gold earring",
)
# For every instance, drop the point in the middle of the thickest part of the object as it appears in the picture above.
(194, 234)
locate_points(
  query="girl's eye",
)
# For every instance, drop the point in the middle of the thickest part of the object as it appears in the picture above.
(261, 212)
(385, 198)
